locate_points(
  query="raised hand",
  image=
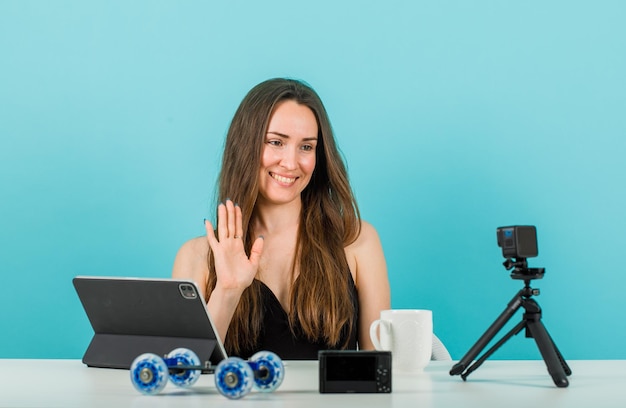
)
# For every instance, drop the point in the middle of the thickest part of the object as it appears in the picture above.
(235, 270)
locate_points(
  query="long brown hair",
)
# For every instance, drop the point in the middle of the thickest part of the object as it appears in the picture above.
(329, 221)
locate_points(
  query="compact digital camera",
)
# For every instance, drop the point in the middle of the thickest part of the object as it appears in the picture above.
(355, 371)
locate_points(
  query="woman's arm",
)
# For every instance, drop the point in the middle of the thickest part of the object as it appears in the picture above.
(367, 263)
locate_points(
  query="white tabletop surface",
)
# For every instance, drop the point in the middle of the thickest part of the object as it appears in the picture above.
(497, 383)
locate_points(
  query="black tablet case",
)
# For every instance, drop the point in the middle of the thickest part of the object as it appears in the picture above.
(132, 316)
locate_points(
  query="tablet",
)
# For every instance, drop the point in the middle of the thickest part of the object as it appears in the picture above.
(132, 316)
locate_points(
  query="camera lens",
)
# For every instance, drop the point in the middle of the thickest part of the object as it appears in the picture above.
(188, 291)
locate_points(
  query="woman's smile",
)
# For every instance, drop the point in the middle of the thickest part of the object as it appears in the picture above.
(283, 180)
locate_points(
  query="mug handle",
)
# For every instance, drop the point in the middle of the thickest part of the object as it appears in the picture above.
(373, 335)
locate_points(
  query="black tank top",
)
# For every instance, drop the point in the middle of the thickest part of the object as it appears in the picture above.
(277, 336)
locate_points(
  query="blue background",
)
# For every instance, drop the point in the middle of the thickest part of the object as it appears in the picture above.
(455, 118)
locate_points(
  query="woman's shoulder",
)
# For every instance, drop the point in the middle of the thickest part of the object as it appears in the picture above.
(366, 249)
(195, 245)
(194, 250)
(367, 237)
(191, 261)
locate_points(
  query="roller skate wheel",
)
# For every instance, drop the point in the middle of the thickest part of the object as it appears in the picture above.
(269, 370)
(233, 378)
(186, 357)
(148, 373)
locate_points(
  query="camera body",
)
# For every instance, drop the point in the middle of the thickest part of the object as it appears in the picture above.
(518, 241)
(351, 371)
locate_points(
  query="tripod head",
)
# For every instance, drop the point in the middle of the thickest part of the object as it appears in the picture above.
(521, 270)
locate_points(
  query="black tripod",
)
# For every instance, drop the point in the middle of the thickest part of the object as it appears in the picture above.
(557, 367)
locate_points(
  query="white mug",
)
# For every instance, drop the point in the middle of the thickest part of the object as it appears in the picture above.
(408, 334)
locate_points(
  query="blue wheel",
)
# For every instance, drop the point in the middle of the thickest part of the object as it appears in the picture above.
(149, 373)
(233, 377)
(269, 370)
(185, 357)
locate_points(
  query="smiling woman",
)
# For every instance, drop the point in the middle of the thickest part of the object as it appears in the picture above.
(291, 267)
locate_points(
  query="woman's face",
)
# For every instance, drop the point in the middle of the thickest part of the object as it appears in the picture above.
(288, 155)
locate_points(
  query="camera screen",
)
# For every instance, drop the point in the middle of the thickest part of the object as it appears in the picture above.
(351, 368)
(508, 239)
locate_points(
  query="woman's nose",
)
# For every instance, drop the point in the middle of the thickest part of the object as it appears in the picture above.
(289, 159)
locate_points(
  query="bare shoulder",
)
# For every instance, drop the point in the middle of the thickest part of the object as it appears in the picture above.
(191, 262)
(365, 255)
(367, 239)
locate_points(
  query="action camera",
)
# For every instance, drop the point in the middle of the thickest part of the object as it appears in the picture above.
(518, 241)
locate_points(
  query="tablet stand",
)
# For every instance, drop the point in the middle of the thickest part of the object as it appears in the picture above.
(531, 321)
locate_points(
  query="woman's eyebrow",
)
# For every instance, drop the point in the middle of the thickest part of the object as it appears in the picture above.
(279, 134)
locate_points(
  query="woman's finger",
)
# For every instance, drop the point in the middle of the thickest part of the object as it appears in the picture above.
(222, 222)
(210, 233)
(256, 251)
(230, 211)
(238, 222)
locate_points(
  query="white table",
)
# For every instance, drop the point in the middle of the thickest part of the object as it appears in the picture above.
(497, 383)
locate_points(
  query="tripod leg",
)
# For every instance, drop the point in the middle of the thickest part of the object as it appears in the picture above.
(495, 327)
(566, 368)
(551, 356)
(514, 331)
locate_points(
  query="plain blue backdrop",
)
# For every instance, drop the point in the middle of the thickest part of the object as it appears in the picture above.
(455, 118)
